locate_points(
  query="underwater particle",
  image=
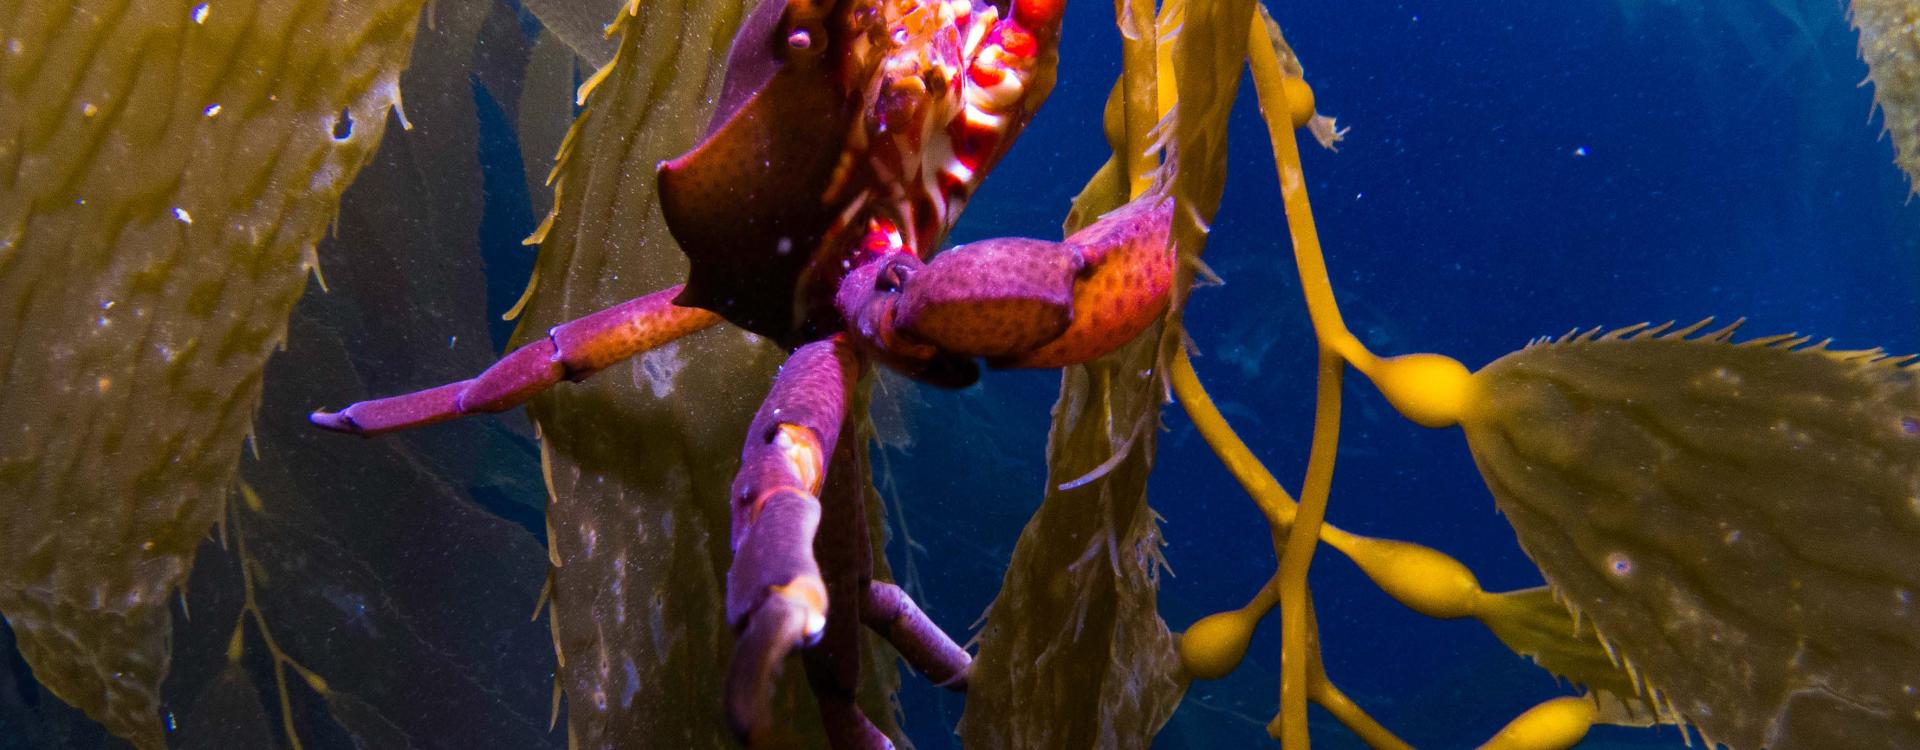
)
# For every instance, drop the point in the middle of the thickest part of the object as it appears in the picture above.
(89, 109)
(212, 110)
(1782, 640)
(200, 13)
(182, 215)
(1579, 151)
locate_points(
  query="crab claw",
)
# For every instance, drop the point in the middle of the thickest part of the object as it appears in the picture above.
(1020, 302)
(867, 297)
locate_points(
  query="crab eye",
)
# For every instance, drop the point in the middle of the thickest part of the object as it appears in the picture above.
(800, 39)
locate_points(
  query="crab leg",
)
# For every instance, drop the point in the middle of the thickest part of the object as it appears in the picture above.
(844, 550)
(1020, 302)
(776, 599)
(890, 612)
(574, 350)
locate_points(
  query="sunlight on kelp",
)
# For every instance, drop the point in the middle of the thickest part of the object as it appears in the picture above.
(157, 223)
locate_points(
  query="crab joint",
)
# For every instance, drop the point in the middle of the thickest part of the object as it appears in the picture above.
(807, 592)
(804, 458)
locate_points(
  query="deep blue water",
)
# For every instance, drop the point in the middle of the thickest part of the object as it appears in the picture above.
(1513, 170)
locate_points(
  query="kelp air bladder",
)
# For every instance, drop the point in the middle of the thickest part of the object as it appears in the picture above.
(1429, 389)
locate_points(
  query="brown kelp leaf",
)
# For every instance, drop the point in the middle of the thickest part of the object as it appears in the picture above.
(1737, 522)
(640, 458)
(165, 170)
(1074, 653)
(1890, 43)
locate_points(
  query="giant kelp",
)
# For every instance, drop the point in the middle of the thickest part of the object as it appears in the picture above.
(1730, 524)
(1425, 389)
(638, 460)
(1737, 521)
(168, 169)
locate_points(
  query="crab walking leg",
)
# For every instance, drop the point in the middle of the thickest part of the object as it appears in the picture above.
(776, 599)
(1021, 302)
(843, 548)
(574, 350)
(892, 614)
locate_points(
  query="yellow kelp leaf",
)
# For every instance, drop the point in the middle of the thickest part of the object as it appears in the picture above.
(165, 170)
(639, 460)
(1736, 522)
(1890, 43)
(1073, 652)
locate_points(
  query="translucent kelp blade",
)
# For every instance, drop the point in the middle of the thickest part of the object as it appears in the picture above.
(1736, 521)
(639, 460)
(157, 221)
(226, 713)
(545, 114)
(1073, 652)
(371, 563)
(581, 25)
(1891, 48)
(385, 579)
(1536, 625)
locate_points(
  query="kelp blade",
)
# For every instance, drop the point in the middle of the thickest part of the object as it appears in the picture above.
(166, 173)
(640, 459)
(1890, 43)
(1073, 652)
(1737, 522)
(372, 562)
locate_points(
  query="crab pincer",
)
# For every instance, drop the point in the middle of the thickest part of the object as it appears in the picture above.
(1020, 302)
